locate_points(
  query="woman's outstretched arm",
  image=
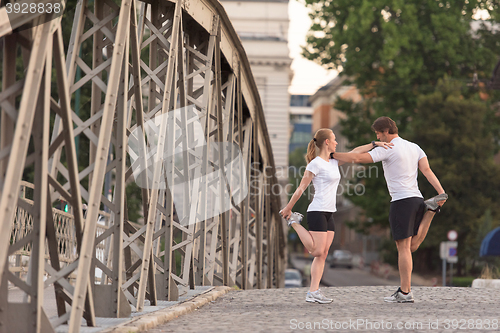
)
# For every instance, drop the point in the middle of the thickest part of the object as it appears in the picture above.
(304, 183)
(364, 149)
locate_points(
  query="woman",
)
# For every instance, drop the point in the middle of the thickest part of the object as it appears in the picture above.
(325, 175)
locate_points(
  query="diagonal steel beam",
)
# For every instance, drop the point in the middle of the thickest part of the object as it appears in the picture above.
(167, 97)
(20, 140)
(100, 165)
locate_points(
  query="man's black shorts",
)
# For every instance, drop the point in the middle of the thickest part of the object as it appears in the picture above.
(405, 216)
(320, 221)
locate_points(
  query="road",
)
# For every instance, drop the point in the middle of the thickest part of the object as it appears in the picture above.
(344, 277)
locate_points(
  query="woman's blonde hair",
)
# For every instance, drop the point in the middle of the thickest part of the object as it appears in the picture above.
(315, 144)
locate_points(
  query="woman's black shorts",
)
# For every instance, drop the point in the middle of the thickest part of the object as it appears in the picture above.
(320, 221)
(405, 216)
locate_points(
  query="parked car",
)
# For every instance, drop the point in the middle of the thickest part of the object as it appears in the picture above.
(293, 278)
(340, 258)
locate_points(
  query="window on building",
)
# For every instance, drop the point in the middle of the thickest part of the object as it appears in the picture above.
(300, 100)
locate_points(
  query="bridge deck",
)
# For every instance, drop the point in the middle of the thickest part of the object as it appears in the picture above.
(353, 309)
(106, 324)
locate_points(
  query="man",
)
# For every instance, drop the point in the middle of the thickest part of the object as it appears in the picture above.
(410, 217)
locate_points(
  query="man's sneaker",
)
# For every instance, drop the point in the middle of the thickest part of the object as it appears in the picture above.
(399, 297)
(317, 297)
(294, 218)
(432, 203)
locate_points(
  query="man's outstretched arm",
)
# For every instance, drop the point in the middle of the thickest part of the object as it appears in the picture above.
(423, 165)
(353, 157)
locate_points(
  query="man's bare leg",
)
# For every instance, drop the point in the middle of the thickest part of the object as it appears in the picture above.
(422, 230)
(424, 227)
(405, 263)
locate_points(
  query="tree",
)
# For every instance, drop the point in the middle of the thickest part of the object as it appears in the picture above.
(399, 49)
(456, 134)
(393, 51)
(396, 52)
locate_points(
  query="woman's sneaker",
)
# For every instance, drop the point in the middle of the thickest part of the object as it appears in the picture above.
(294, 218)
(399, 297)
(317, 297)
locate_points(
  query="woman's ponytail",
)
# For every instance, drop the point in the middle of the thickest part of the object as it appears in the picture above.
(319, 139)
(311, 151)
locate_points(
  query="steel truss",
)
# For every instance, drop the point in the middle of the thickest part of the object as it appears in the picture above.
(177, 70)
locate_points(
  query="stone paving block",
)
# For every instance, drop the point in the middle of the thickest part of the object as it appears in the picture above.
(354, 309)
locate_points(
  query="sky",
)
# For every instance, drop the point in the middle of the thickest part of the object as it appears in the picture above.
(308, 76)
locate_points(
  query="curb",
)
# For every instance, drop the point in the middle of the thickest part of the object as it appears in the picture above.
(151, 320)
(486, 283)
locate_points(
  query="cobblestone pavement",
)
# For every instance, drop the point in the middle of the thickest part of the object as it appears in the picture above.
(354, 309)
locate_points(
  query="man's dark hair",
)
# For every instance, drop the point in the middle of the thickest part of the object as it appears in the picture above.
(385, 124)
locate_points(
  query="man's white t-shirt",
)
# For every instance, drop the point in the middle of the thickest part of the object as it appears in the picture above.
(326, 181)
(400, 167)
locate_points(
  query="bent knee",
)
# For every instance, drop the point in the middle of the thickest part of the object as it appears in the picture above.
(320, 254)
(414, 248)
(316, 253)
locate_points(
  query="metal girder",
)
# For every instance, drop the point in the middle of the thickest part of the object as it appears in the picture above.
(177, 84)
(34, 106)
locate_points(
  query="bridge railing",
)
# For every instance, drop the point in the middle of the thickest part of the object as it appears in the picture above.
(171, 106)
(64, 224)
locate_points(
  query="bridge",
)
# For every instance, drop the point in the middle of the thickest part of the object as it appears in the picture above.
(171, 108)
(354, 309)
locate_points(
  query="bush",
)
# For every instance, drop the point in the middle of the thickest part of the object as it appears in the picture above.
(490, 273)
(463, 281)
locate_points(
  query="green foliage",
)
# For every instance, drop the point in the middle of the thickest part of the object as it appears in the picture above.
(463, 281)
(388, 252)
(396, 52)
(456, 137)
(484, 227)
(398, 48)
(134, 201)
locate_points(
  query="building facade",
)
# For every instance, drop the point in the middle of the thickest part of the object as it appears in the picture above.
(300, 122)
(263, 29)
